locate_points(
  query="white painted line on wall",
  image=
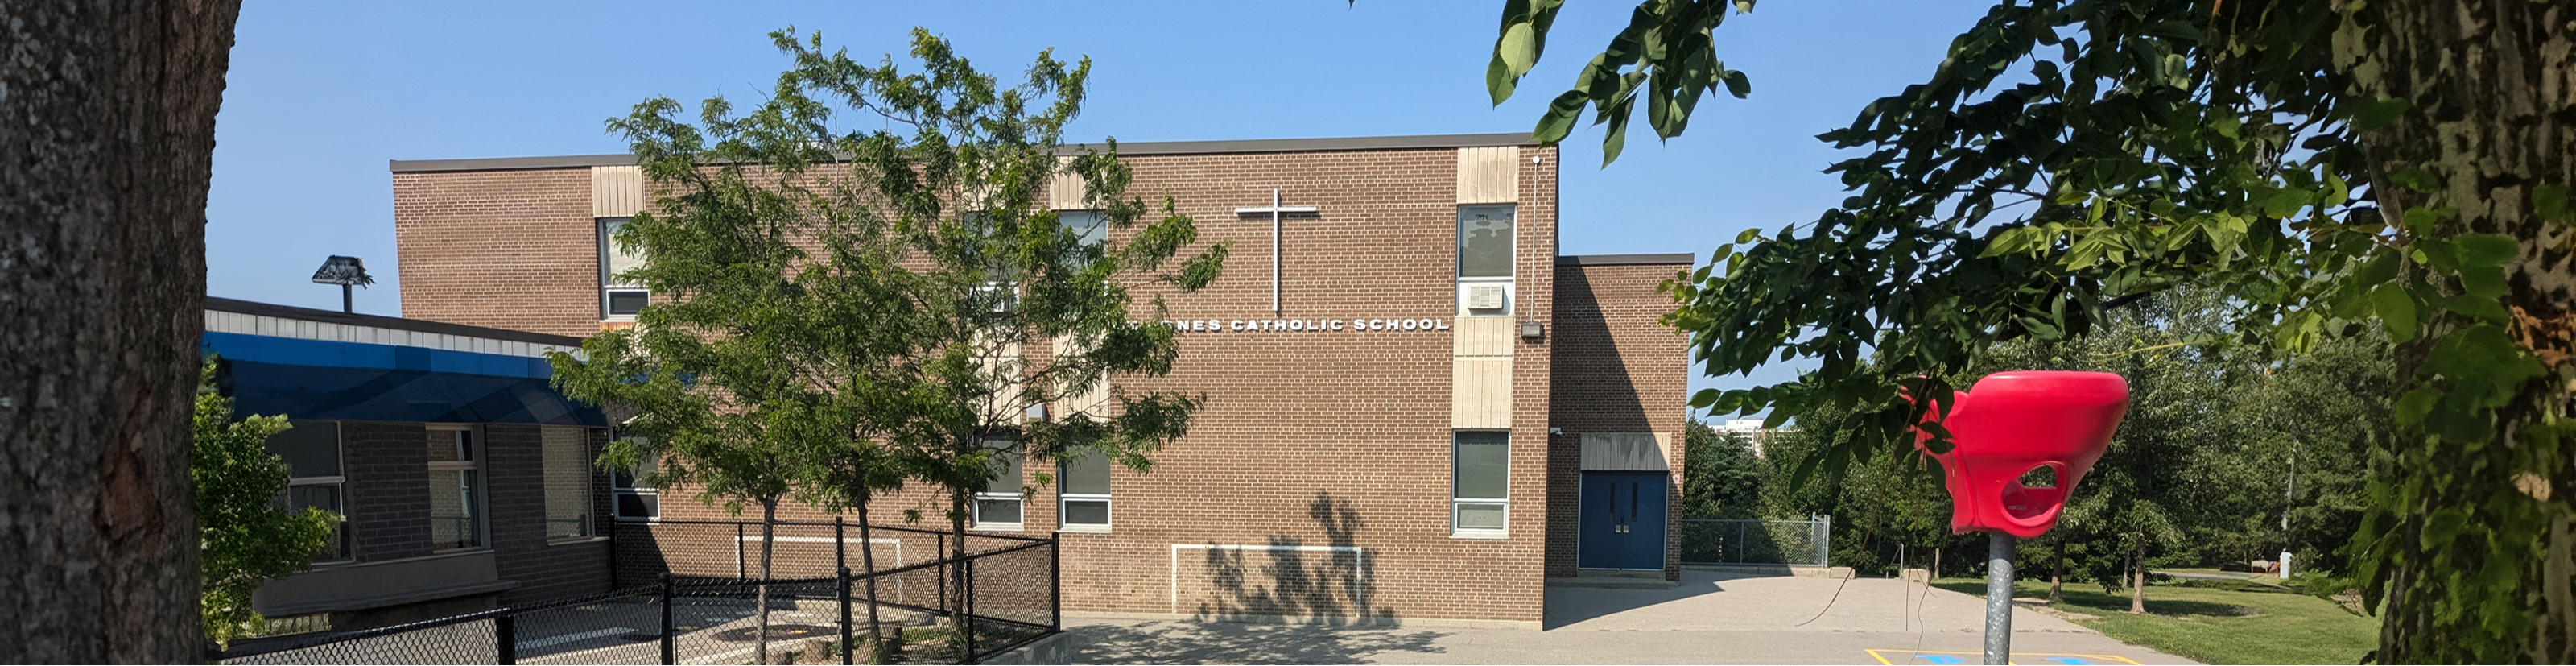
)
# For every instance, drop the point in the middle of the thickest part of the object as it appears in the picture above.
(1174, 585)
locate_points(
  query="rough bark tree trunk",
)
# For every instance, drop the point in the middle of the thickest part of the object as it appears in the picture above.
(2492, 87)
(868, 565)
(107, 123)
(768, 545)
(2057, 572)
(2138, 578)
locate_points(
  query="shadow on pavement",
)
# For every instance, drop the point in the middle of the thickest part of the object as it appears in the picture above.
(1569, 604)
(1227, 642)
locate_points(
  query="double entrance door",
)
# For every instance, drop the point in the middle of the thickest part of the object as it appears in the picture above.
(1622, 522)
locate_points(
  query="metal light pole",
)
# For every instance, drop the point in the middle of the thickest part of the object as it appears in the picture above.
(346, 272)
(1999, 596)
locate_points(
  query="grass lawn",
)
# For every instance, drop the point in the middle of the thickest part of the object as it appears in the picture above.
(2217, 622)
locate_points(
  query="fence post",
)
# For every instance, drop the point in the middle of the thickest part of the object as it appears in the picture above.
(667, 624)
(967, 632)
(846, 647)
(741, 570)
(840, 543)
(1825, 552)
(1739, 542)
(505, 638)
(1055, 585)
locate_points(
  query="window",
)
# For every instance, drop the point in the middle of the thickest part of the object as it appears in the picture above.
(455, 489)
(312, 453)
(1087, 226)
(1083, 492)
(618, 298)
(1485, 259)
(1480, 488)
(567, 466)
(633, 498)
(998, 507)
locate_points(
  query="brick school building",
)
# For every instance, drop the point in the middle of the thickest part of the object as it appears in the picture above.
(1417, 410)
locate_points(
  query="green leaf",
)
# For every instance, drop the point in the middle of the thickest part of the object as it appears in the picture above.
(2396, 310)
(2549, 200)
(2411, 409)
(2286, 202)
(2486, 249)
(2484, 309)
(2486, 282)
(1499, 81)
(1737, 85)
(2415, 178)
(1518, 48)
(2379, 269)
(2372, 114)
(1560, 117)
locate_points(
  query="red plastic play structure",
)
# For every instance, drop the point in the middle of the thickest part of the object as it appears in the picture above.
(2013, 422)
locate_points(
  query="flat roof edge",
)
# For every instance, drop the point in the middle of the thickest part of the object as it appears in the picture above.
(238, 306)
(1683, 258)
(1124, 148)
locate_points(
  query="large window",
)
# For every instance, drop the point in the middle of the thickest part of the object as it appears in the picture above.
(567, 466)
(1088, 226)
(1480, 485)
(634, 497)
(999, 507)
(1083, 492)
(455, 488)
(618, 298)
(312, 453)
(1485, 260)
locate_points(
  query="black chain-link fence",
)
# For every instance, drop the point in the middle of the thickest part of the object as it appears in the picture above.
(692, 611)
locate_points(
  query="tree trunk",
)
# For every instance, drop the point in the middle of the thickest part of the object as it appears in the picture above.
(107, 122)
(2057, 572)
(2492, 117)
(2138, 578)
(768, 544)
(1935, 573)
(957, 621)
(868, 566)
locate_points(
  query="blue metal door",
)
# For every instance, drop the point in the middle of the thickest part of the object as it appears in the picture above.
(1621, 525)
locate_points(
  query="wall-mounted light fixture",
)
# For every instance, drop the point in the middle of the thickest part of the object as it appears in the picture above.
(1533, 331)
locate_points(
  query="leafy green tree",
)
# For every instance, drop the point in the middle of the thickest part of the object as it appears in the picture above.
(248, 537)
(2325, 165)
(906, 290)
(1722, 476)
(1889, 512)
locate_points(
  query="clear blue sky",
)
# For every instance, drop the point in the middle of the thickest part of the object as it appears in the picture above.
(321, 94)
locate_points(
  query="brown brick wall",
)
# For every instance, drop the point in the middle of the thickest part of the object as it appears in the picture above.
(505, 249)
(1617, 371)
(1313, 440)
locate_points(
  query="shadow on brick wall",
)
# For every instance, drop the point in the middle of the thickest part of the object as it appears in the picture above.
(1310, 583)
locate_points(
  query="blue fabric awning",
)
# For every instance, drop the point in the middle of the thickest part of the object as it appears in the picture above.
(352, 381)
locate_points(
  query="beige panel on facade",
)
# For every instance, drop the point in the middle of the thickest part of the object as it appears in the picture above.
(1480, 392)
(1623, 451)
(1489, 175)
(1064, 191)
(616, 191)
(1093, 403)
(1481, 336)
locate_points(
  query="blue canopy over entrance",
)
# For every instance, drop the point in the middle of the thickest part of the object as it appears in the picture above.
(352, 381)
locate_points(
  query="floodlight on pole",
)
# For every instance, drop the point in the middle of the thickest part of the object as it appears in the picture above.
(346, 272)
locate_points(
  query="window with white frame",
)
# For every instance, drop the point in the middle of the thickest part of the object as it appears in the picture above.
(1000, 506)
(455, 488)
(633, 496)
(566, 457)
(618, 298)
(311, 450)
(1082, 483)
(1485, 260)
(1480, 483)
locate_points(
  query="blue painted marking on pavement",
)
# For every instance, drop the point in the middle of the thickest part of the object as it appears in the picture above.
(1940, 659)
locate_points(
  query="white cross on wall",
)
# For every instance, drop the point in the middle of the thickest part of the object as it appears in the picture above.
(1274, 209)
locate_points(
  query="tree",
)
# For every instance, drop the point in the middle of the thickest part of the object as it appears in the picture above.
(2325, 165)
(107, 112)
(908, 277)
(248, 538)
(1723, 476)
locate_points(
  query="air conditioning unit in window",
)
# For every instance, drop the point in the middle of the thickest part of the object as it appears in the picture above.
(1485, 297)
